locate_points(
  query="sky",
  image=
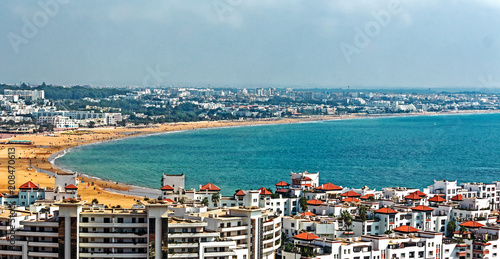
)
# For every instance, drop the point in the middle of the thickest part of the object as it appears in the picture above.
(234, 43)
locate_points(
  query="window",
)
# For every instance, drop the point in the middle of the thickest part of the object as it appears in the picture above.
(420, 254)
(293, 225)
(120, 220)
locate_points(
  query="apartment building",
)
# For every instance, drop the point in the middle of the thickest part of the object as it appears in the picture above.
(256, 231)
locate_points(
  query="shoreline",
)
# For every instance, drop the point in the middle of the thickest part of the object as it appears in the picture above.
(131, 191)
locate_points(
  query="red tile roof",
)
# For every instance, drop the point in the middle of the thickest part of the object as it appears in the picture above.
(465, 233)
(240, 193)
(419, 193)
(71, 187)
(169, 200)
(437, 199)
(308, 213)
(329, 187)
(350, 194)
(406, 229)
(210, 187)
(458, 197)
(315, 202)
(350, 199)
(167, 188)
(308, 185)
(413, 196)
(264, 191)
(386, 211)
(29, 185)
(472, 224)
(1, 195)
(422, 208)
(282, 183)
(306, 179)
(365, 197)
(306, 236)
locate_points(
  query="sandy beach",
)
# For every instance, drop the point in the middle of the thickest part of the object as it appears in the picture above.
(47, 146)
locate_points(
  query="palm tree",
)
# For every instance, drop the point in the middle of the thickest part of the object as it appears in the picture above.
(462, 230)
(303, 203)
(363, 215)
(451, 227)
(215, 199)
(346, 218)
(204, 202)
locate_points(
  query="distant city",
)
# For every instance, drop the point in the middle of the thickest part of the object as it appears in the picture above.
(37, 108)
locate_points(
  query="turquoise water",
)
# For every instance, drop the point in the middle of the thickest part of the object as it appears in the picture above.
(382, 152)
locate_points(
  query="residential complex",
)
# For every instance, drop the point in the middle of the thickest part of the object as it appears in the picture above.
(303, 219)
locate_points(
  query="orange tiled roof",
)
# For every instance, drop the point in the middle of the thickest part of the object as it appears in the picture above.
(458, 197)
(419, 193)
(29, 185)
(350, 194)
(406, 229)
(167, 188)
(437, 198)
(169, 200)
(240, 193)
(71, 187)
(308, 213)
(422, 208)
(306, 179)
(264, 191)
(306, 236)
(329, 187)
(472, 224)
(365, 197)
(210, 187)
(315, 202)
(386, 211)
(350, 199)
(282, 183)
(413, 196)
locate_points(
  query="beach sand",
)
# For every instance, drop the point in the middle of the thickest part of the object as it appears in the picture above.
(112, 193)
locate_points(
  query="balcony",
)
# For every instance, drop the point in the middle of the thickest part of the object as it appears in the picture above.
(43, 244)
(183, 255)
(43, 254)
(182, 245)
(188, 235)
(36, 234)
(115, 245)
(218, 254)
(109, 235)
(235, 228)
(113, 225)
(114, 255)
(10, 252)
(461, 253)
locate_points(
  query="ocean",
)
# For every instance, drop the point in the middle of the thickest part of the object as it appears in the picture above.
(376, 152)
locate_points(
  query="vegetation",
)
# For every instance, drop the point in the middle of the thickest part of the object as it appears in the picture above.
(215, 198)
(204, 202)
(95, 201)
(346, 218)
(450, 228)
(303, 203)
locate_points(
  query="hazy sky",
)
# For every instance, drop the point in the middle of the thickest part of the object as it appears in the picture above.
(252, 42)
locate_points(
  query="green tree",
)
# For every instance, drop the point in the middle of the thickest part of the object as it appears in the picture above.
(303, 203)
(215, 198)
(462, 230)
(363, 213)
(204, 202)
(346, 218)
(95, 201)
(451, 227)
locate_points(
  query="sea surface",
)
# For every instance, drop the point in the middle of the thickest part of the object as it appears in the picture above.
(376, 152)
